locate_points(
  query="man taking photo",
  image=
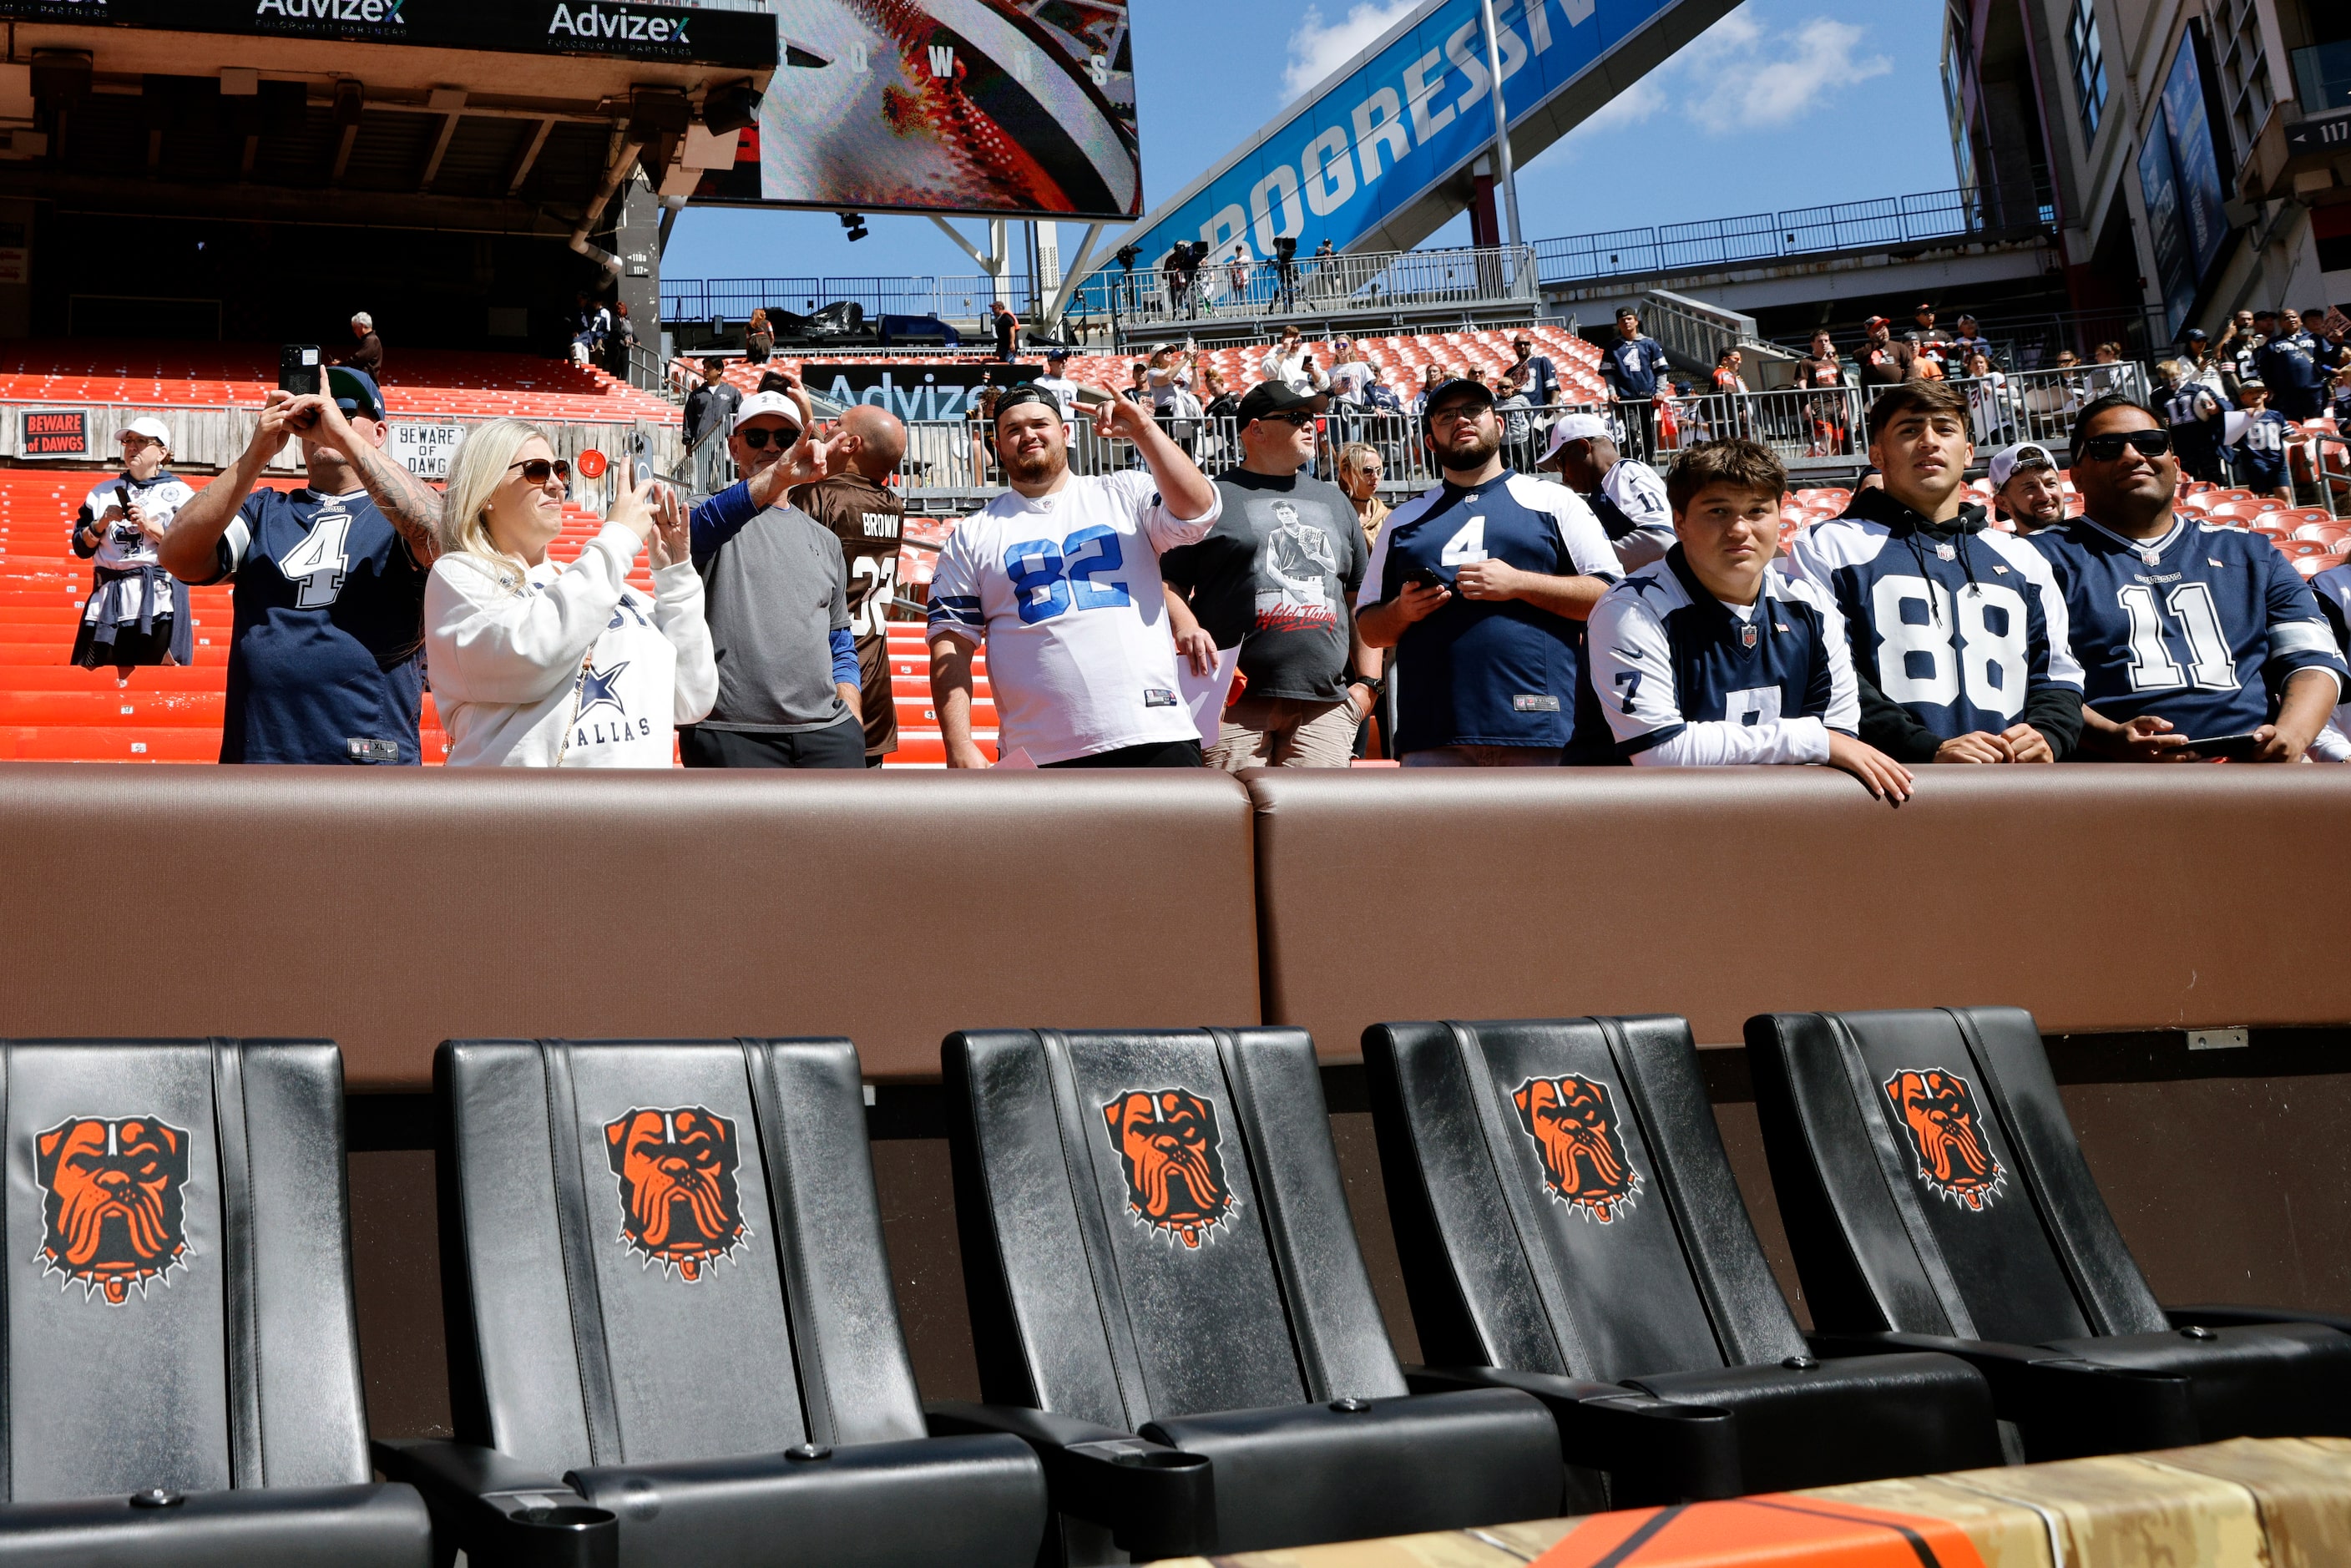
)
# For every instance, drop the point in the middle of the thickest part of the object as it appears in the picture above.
(1482, 585)
(1276, 578)
(855, 501)
(324, 661)
(2188, 632)
(1958, 633)
(1058, 580)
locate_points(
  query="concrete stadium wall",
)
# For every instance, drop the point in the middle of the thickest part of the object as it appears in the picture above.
(389, 910)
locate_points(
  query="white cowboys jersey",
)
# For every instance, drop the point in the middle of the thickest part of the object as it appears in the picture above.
(1064, 594)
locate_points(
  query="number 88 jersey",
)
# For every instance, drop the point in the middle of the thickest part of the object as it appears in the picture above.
(1064, 592)
(1955, 624)
(2199, 626)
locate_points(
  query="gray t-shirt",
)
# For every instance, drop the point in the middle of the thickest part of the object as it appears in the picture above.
(776, 592)
(1274, 577)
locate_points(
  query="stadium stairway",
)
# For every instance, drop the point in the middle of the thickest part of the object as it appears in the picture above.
(51, 710)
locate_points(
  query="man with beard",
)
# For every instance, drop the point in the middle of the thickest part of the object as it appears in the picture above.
(1058, 580)
(2188, 632)
(1958, 631)
(1276, 578)
(2026, 486)
(1482, 585)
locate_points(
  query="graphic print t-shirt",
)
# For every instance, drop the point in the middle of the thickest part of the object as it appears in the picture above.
(1273, 577)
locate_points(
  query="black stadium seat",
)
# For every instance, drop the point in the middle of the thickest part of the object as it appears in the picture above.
(1936, 1198)
(1569, 1224)
(183, 1376)
(667, 1302)
(1161, 1264)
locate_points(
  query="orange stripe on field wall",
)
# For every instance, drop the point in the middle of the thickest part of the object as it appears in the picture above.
(1775, 1529)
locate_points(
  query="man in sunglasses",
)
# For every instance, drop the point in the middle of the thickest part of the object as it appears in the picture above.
(776, 587)
(2186, 633)
(1959, 642)
(325, 661)
(1276, 580)
(1482, 585)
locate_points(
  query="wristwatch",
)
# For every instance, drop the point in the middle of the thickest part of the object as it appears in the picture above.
(1372, 683)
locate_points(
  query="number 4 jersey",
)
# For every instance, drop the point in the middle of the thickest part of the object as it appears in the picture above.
(1064, 594)
(325, 661)
(2200, 626)
(1960, 627)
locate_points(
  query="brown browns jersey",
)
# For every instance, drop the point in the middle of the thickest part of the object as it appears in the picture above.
(867, 518)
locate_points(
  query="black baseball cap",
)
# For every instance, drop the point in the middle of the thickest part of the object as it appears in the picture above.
(1023, 395)
(1448, 387)
(1269, 398)
(2194, 335)
(354, 391)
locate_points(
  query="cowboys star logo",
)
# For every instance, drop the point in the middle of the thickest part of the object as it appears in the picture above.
(1175, 1170)
(111, 1203)
(1937, 1110)
(679, 1206)
(1573, 1125)
(596, 688)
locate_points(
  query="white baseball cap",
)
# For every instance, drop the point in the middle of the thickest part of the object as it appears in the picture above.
(760, 404)
(2023, 455)
(1573, 427)
(149, 425)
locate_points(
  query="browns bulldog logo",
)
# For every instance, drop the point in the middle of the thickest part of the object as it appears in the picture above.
(679, 1208)
(111, 1203)
(1573, 1123)
(1175, 1172)
(1938, 1109)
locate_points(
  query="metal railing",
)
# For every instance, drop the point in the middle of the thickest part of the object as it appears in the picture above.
(1370, 281)
(732, 300)
(1800, 231)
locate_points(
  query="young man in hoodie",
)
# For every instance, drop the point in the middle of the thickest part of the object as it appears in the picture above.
(1959, 633)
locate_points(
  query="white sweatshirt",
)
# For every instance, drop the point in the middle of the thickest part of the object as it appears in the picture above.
(505, 665)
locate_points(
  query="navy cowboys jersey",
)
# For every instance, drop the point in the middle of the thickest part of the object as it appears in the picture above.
(1955, 626)
(2199, 626)
(1765, 682)
(325, 661)
(1488, 672)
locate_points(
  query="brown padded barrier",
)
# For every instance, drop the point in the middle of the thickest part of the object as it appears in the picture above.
(388, 909)
(2101, 898)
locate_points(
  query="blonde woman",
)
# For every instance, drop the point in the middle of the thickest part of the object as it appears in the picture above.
(1359, 477)
(537, 665)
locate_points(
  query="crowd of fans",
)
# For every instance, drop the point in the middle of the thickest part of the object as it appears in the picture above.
(1551, 600)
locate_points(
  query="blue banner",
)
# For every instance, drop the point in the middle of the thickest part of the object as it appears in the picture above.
(2194, 161)
(1368, 144)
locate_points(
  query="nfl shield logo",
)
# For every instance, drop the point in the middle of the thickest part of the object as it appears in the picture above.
(1746, 635)
(1949, 552)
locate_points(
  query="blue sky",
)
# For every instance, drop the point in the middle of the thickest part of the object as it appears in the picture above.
(1784, 103)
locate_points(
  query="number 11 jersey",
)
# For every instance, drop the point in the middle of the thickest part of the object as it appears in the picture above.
(2201, 626)
(1064, 594)
(326, 660)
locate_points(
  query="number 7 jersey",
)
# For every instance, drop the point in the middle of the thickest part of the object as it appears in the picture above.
(1064, 592)
(2200, 626)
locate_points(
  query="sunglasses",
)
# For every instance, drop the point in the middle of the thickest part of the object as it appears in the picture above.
(756, 439)
(1290, 417)
(2107, 448)
(535, 470)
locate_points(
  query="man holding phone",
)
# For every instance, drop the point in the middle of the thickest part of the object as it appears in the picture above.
(324, 662)
(2190, 637)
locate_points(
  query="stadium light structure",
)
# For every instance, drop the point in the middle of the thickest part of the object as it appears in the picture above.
(855, 223)
(734, 108)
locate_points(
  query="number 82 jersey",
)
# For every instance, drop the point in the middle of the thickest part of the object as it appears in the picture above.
(2200, 626)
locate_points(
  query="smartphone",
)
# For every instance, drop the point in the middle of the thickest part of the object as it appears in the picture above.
(297, 368)
(2236, 747)
(1424, 577)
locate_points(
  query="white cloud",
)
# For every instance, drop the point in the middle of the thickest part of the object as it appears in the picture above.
(1742, 75)
(1317, 48)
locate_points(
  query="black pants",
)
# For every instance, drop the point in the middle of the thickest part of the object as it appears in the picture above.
(1152, 754)
(839, 745)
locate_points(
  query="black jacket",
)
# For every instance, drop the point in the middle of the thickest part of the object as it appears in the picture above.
(2055, 710)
